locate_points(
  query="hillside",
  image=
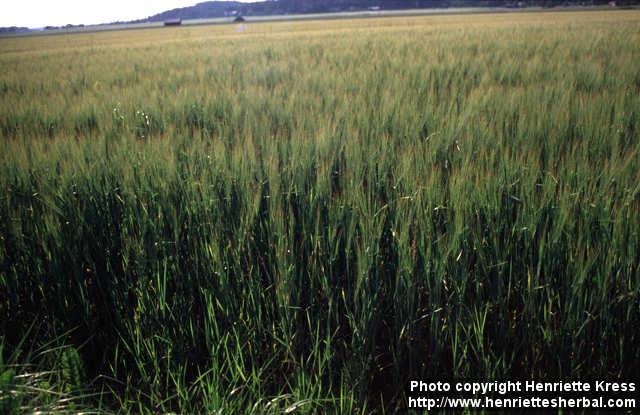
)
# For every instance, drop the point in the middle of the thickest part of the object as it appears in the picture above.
(206, 9)
(213, 9)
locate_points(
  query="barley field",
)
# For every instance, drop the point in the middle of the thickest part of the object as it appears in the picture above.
(301, 217)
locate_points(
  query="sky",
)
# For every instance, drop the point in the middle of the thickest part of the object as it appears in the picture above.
(40, 13)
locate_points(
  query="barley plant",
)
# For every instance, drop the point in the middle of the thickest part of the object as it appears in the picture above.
(303, 216)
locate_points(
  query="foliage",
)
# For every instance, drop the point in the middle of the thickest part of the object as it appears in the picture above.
(304, 216)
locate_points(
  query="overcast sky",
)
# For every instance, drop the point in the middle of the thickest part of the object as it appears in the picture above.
(39, 13)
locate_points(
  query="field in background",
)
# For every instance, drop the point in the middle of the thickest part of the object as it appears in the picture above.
(304, 216)
(303, 17)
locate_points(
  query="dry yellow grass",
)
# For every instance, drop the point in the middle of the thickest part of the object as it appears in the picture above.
(411, 26)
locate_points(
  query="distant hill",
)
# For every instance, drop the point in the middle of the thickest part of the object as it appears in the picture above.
(213, 9)
(13, 29)
(208, 9)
